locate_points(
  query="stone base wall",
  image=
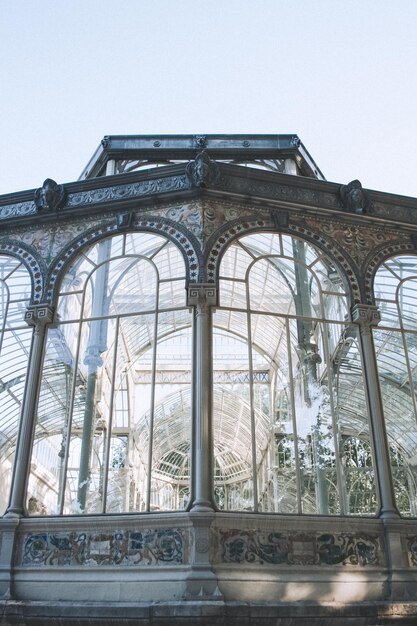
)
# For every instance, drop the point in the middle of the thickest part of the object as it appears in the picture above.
(215, 557)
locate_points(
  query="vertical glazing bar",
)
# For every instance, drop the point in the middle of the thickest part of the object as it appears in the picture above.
(152, 410)
(110, 422)
(407, 359)
(294, 419)
(38, 316)
(252, 406)
(67, 442)
(341, 486)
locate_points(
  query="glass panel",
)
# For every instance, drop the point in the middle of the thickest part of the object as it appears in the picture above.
(113, 428)
(233, 476)
(396, 345)
(15, 340)
(293, 364)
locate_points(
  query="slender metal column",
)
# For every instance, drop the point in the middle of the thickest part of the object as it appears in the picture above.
(202, 297)
(97, 344)
(38, 316)
(367, 316)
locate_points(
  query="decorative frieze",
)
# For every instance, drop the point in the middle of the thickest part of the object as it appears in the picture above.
(280, 548)
(120, 547)
(206, 172)
(124, 192)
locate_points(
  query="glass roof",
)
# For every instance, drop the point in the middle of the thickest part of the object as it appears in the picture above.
(15, 339)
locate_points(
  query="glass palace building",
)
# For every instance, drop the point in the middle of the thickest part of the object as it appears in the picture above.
(208, 390)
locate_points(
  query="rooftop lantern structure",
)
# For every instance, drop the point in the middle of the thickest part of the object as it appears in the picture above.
(207, 379)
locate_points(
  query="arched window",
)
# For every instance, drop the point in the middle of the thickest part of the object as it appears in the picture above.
(15, 337)
(288, 386)
(113, 426)
(395, 340)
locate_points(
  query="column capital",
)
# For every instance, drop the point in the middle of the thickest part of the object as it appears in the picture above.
(39, 314)
(366, 315)
(202, 294)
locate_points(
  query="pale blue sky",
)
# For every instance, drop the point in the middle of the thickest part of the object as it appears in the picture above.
(339, 73)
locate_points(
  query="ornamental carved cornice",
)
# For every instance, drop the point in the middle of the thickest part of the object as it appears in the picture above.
(206, 176)
(102, 195)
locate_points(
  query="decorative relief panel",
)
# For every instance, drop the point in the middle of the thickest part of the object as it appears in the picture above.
(356, 239)
(50, 239)
(237, 546)
(120, 547)
(202, 217)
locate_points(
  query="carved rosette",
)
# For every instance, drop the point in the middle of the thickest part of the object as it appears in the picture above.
(39, 315)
